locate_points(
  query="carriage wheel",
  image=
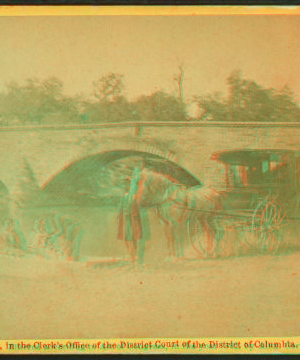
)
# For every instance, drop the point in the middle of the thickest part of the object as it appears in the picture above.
(207, 235)
(273, 221)
(268, 221)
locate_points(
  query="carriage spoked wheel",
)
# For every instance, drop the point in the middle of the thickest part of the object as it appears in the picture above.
(207, 234)
(268, 222)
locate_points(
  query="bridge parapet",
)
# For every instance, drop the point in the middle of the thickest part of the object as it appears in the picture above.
(50, 149)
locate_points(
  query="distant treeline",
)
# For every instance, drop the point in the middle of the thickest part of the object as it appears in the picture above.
(43, 102)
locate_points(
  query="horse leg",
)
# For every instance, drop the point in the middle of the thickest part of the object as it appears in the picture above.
(177, 241)
(168, 230)
(177, 244)
(76, 244)
(180, 239)
(161, 213)
(177, 223)
(214, 235)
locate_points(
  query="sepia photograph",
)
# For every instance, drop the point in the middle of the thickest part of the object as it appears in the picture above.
(150, 181)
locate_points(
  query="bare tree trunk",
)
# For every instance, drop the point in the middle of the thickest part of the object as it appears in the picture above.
(179, 79)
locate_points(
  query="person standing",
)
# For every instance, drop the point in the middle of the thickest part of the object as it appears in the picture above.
(133, 219)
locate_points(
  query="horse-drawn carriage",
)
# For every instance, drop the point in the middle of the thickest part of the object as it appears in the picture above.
(260, 202)
(259, 205)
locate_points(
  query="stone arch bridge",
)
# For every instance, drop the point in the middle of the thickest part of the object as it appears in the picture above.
(186, 147)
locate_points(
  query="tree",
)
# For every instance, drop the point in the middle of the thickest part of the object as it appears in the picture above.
(109, 87)
(108, 111)
(111, 105)
(179, 80)
(160, 106)
(287, 109)
(248, 101)
(37, 102)
(27, 189)
(213, 107)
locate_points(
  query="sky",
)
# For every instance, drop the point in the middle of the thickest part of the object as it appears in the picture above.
(148, 51)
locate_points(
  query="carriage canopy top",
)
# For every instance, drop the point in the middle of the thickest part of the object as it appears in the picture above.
(250, 156)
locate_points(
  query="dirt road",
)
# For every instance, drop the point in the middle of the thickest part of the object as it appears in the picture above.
(246, 296)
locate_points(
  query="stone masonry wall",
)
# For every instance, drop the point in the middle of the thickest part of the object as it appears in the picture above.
(49, 151)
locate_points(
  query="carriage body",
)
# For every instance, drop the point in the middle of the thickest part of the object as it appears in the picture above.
(260, 201)
(255, 175)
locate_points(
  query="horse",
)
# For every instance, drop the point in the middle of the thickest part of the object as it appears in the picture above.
(184, 204)
(172, 202)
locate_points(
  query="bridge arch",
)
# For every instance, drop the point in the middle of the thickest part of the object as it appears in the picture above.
(70, 150)
(71, 177)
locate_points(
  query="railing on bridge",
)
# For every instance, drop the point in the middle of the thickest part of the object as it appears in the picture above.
(140, 125)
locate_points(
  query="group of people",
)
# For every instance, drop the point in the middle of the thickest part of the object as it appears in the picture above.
(54, 237)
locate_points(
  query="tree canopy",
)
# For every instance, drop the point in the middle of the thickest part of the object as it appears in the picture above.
(160, 106)
(109, 86)
(37, 102)
(43, 102)
(248, 101)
